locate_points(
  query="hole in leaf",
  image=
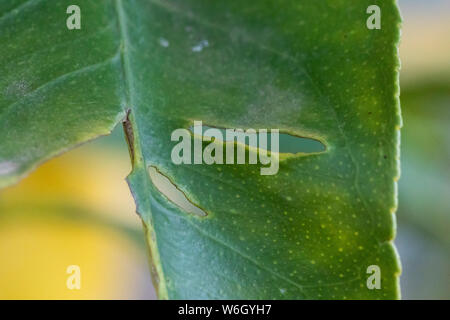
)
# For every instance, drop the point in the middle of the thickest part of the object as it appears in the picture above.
(287, 143)
(171, 191)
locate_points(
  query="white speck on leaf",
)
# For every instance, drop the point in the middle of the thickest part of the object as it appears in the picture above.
(7, 167)
(164, 42)
(200, 46)
(18, 89)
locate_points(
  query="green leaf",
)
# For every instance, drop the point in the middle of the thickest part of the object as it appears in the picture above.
(308, 68)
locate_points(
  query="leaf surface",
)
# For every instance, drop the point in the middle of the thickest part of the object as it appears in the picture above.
(308, 68)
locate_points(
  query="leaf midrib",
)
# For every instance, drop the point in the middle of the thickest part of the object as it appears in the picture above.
(125, 61)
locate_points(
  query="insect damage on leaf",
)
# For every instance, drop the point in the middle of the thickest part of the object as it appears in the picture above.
(129, 135)
(288, 143)
(173, 193)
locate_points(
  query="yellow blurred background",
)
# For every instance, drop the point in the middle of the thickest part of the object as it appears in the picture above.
(76, 209)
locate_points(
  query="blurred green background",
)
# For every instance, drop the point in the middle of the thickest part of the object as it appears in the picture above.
(77, 209)
(423, 216)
